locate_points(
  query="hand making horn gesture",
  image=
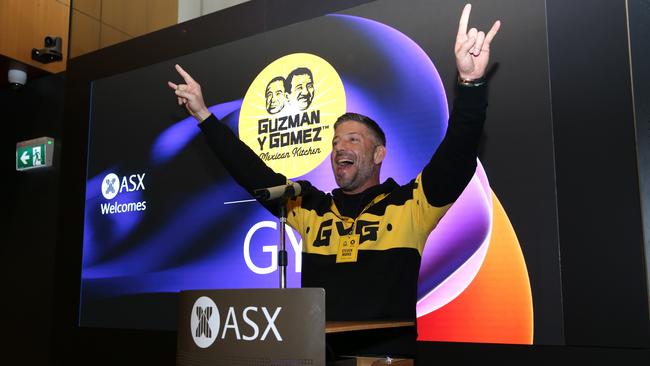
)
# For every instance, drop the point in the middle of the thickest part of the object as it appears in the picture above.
(472, 48)
(190, 95)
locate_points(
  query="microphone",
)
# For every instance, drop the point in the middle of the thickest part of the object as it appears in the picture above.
(289, 190)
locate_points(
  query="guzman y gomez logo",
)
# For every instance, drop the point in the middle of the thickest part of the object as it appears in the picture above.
(112, 185)
(289, 110)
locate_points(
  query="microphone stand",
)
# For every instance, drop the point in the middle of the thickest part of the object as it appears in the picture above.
(282, 253)
(264, 194)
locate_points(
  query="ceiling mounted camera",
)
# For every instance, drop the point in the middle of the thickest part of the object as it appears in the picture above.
(50, 52)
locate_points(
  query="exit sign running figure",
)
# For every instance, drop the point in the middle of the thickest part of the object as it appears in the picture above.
(35, 153)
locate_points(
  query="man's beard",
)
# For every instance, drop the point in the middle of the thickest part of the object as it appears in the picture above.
(362, 173)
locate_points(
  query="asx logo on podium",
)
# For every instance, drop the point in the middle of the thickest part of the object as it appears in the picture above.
(112, 185)
(205, 323)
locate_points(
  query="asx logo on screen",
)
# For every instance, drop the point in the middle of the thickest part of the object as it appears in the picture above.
(112, 185)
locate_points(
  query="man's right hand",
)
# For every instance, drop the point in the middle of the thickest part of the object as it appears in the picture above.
(189, 94)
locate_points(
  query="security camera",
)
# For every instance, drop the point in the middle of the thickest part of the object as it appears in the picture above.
(51, 52)
(17, 78)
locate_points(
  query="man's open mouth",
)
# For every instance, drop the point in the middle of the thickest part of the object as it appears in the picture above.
(344, 162)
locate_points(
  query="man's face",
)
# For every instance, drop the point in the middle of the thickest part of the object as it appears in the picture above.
(302, 91)
(275, 96)
(354, 156)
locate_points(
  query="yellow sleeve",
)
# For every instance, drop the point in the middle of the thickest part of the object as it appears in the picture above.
(295, 214)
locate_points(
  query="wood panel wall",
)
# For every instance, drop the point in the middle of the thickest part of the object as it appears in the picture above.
(102, 23)
(25, 24)
(90, 24)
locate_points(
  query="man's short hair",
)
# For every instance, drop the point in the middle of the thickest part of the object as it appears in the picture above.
(298, 71)
(369, 122)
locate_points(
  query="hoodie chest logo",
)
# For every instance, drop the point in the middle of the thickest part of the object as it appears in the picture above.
(367, 231)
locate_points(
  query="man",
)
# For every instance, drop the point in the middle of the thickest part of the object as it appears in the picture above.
(300, 86)
(275, 95)
(363, 242)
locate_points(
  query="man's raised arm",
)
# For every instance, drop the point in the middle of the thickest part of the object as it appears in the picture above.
(454, 162)
(242, 163)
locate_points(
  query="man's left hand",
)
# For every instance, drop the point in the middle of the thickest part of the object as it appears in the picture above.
(473, 47)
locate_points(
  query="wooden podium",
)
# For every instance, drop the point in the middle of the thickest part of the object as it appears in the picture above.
(251, 327)
(269, 327)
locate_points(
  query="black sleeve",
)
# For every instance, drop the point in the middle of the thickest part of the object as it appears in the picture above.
(240, 161)
(452, 166)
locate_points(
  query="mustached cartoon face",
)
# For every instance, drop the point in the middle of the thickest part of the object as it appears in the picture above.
(302, 90)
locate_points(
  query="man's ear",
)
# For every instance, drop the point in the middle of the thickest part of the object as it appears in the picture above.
(380, 154)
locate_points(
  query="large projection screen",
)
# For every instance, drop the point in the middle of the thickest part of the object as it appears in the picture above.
(162, 215)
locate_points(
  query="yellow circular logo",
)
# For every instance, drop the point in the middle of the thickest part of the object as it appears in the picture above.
(289, 111)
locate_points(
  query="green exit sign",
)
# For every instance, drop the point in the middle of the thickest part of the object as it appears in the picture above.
(35, 153)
